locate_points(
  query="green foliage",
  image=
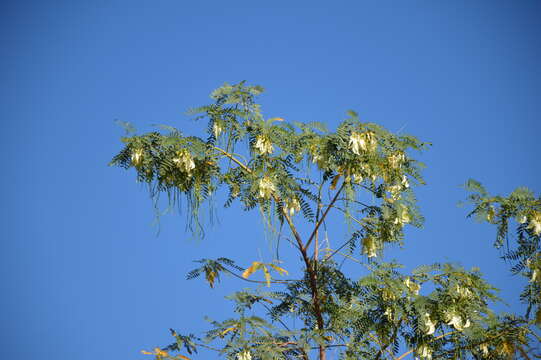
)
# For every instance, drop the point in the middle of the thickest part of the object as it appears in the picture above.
(299, 172)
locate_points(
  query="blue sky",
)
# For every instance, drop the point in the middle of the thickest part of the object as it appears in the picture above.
(84, 275)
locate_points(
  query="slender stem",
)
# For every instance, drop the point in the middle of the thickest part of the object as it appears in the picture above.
(318, 224)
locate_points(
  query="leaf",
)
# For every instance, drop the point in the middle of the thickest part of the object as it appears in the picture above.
(228, 330)
(252, 269)
(279, 269)
(183, 357)
(210, 275)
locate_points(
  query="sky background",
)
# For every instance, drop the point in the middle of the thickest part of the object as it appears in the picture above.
(84, 274)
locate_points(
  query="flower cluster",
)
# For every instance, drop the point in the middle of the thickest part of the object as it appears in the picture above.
(535, 223)
(424, 352)
(264, 145)
(266, 188)
(403, 216)
(365, 141)
(217, 129)
(293, 206)
(455, 320)
(396, 160)
(244, 355)
(136, 157)
(412, 286)
(429, 325)
(184, 161)
(369, 246)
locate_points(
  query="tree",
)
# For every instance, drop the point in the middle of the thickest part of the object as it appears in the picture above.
(296, 174)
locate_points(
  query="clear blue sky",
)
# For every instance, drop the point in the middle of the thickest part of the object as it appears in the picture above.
(84, 275)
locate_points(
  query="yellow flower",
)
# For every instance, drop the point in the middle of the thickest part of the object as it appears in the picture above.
(462, 291)
(266, 188)
(244, 355)
(136, 157)
(184, 161)
(264, 145)
(389, 313)
(535, 223)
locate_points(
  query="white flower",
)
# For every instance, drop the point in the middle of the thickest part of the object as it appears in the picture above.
(535, 223)
(357, 178)
(429, 324)
(395, 191)
(244, 355)
(412, 286)
(403, 216)
(396, 160)
(484, 348)
(405, 182)
(293, 206)
(522, 219)
(535, 273)
(264, 145)
(136, 157)
(455, 320)
(424, 352)
(369, 247)
(462, 291)
(365, 141)
(184, 161)
(217, 129)
(266, 188)
(389, 313)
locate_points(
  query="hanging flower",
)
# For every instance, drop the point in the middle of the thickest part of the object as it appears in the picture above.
(535, 223)
(455, 320)
(535, 274)
(244, 355)
(484, 349)
(293, 206)
(184, 161)
(136, 157)
(264, 145)
(395, 191)
(266, 187)
(462, 291)
(365, 141)
(405, 182)
(522, 219)
(403, 216)
(217, 129)
(395, 160)
(424, 352)
(412, 286)
(429, 324)
(369, 246)
(389, 313)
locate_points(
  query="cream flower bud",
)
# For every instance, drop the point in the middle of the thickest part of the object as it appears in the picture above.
(412, 286)
(429, 324)
(266, 188)
(484, 349)
(264, 145)
(293, 206)
(244, 355)
(369, 246)
(217, 129)
(395, 160)
(535, 223)
(136, 157)
(184, 161)
(424, 352)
